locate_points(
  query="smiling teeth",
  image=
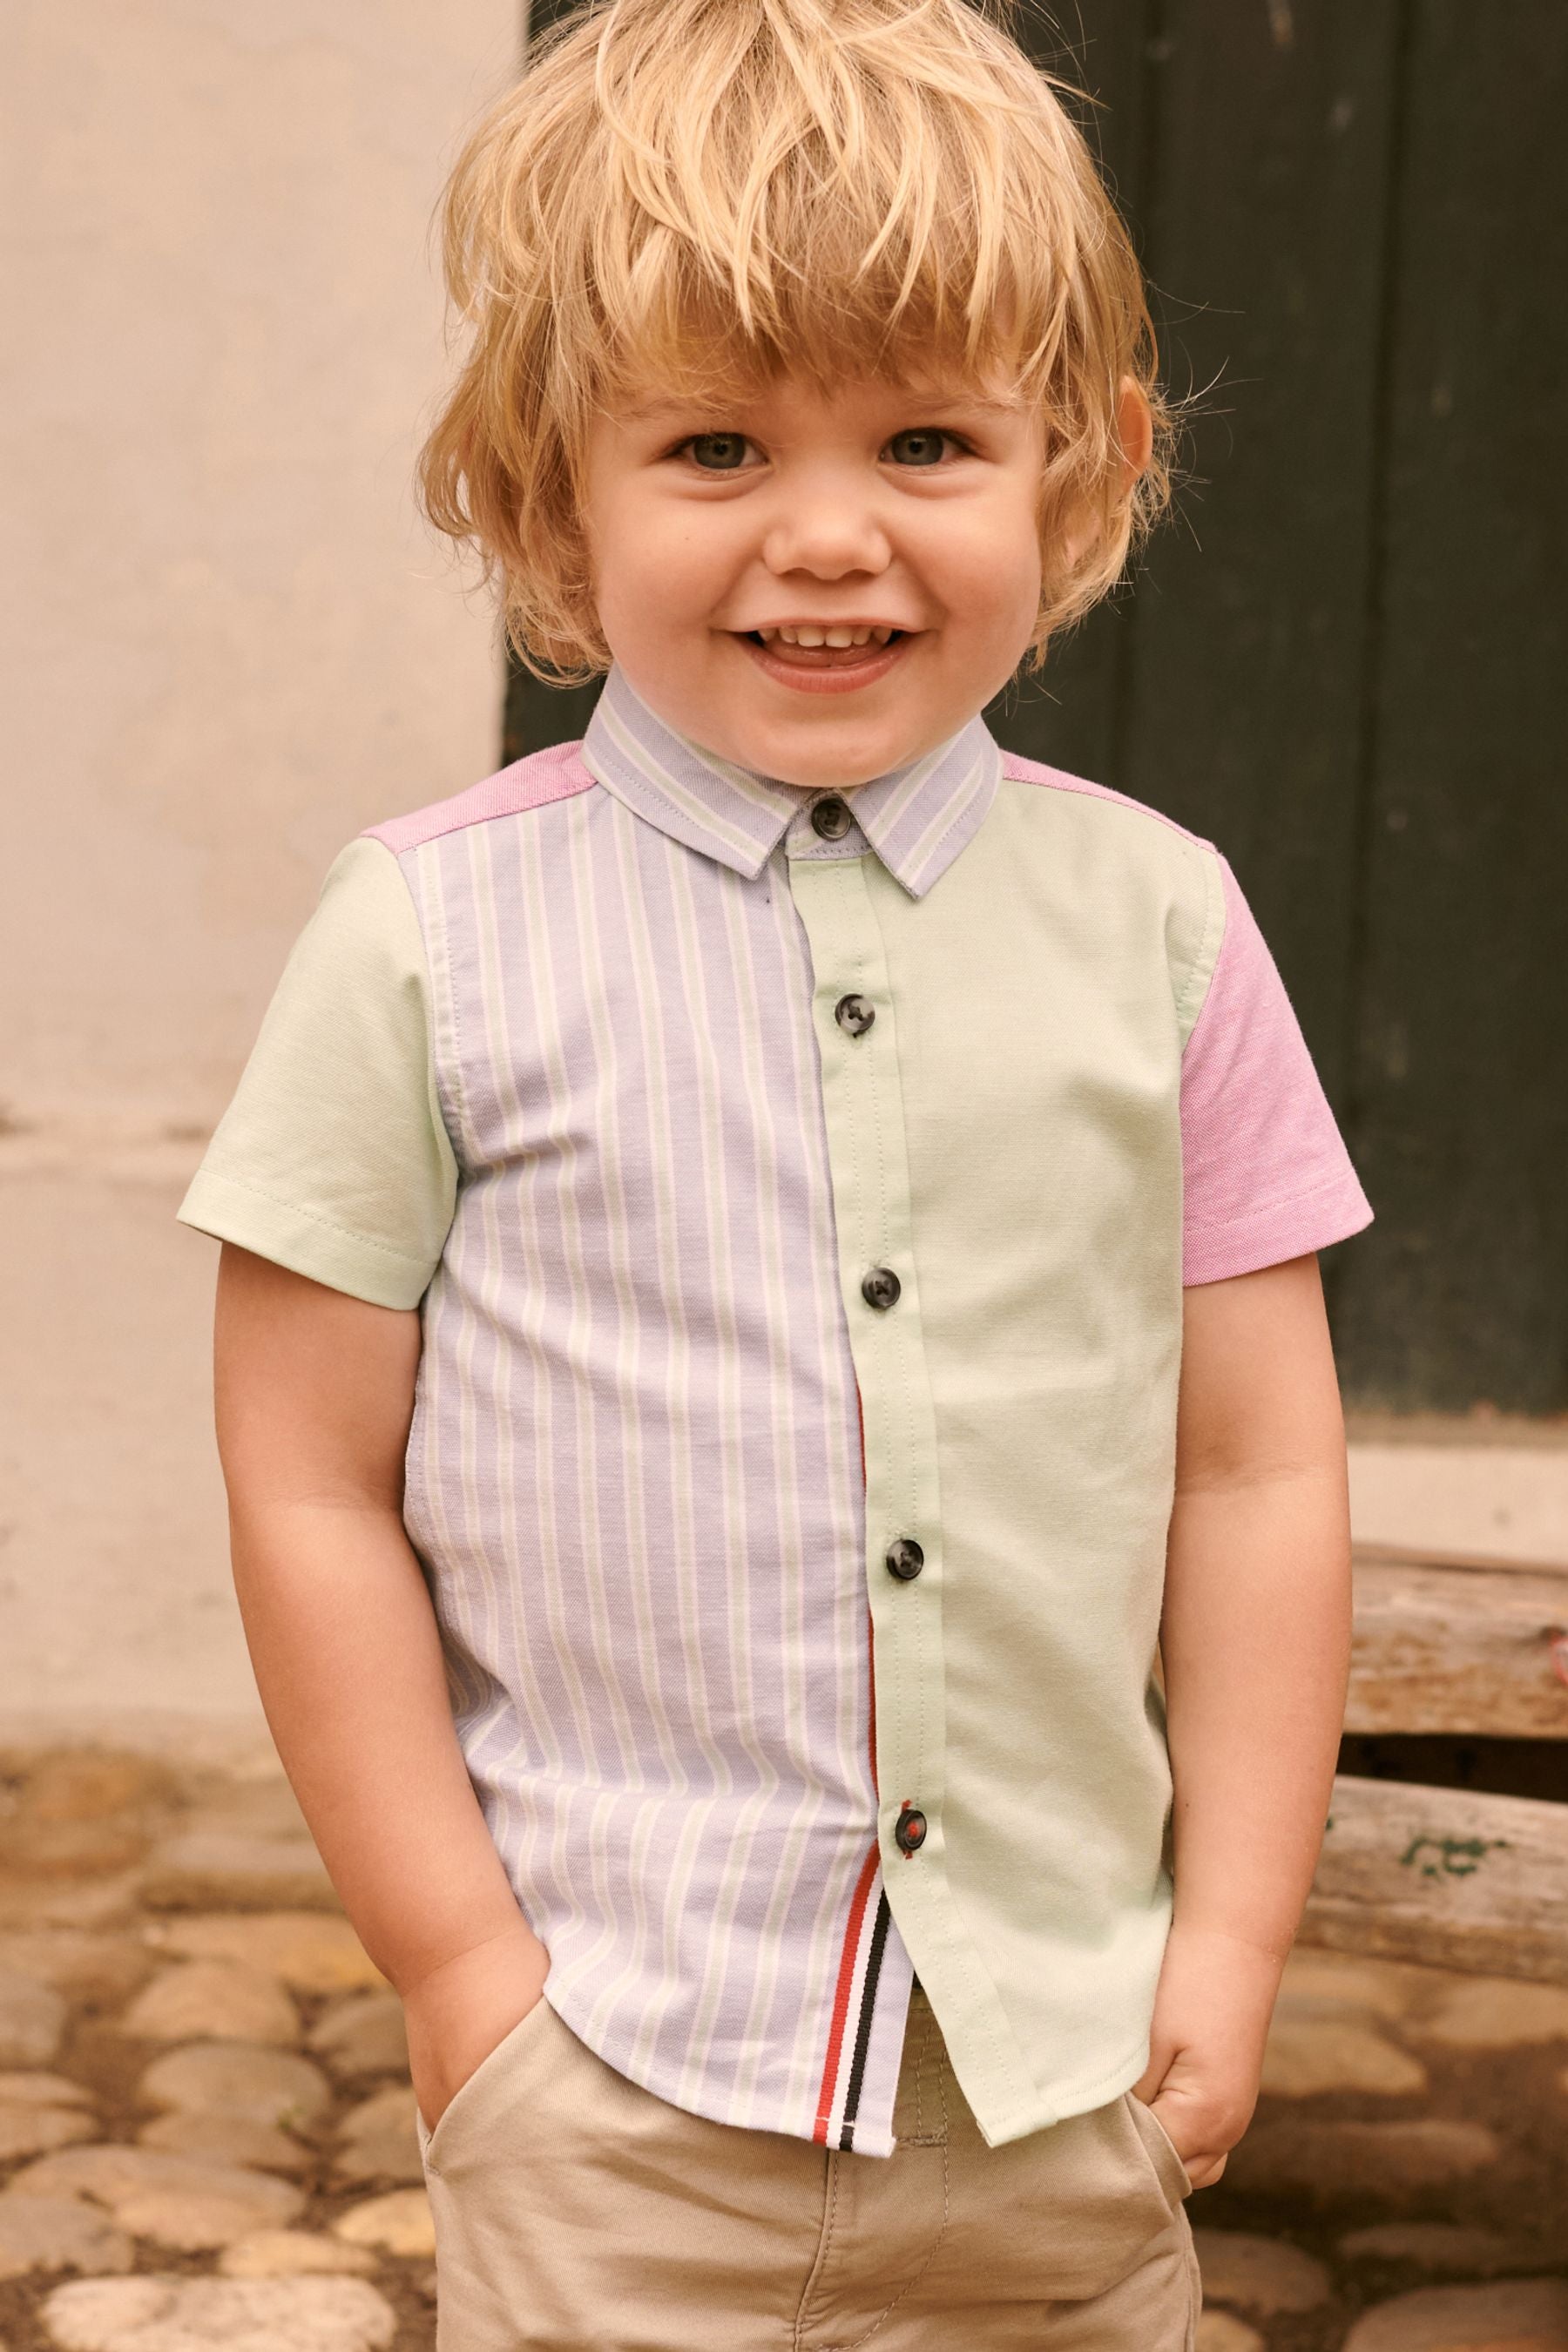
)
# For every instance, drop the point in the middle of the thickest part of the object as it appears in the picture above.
(840, 639)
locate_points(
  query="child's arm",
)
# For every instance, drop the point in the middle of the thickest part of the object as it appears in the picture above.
(314, 1393)
(1255, 1644)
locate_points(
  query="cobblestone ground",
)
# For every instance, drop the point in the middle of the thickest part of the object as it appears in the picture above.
(206, 2132)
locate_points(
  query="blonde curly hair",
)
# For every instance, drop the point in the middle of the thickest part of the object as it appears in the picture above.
(705, 195)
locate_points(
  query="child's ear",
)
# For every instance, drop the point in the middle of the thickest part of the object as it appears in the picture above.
(1135, 432)
(1135, 438)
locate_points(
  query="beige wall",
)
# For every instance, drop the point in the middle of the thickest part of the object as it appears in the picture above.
(226, 645)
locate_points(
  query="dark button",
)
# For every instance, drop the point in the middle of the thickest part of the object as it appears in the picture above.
(880, 1287)
(910, 1829)
(831, 819)
(905, 1559)
(855, 1014)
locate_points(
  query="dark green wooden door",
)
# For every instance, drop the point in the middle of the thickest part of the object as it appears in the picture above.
(1342, 659)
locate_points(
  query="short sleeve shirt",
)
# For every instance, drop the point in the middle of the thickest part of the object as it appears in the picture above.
(797, 1191)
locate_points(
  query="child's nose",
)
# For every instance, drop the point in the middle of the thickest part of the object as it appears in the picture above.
(827, 533)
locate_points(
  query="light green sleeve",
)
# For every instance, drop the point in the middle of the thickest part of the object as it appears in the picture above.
(333, 1157)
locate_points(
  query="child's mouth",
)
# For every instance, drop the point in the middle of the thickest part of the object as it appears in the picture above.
(825, 669)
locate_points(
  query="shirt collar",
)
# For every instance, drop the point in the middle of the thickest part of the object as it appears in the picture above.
(917, 818)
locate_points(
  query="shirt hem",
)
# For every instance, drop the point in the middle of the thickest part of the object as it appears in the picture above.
(1286, 1229)
(299, 1240)
(1037, 2114)
(713, 2110)
(1081, 2098)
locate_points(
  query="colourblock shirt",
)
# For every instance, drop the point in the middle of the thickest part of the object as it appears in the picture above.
(797, 1191)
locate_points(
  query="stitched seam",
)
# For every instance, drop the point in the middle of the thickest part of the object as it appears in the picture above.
(1213, 900)
(1130, 2101)
(312, 1217)
(439, 916)
(904, 1342)
(1084, 790)
(824, 2248)
(1194, 2290)
(1271, 1208)
(910, 2283)
(1177, 2202)
(466, 823)
(435, 1091)
(1086, 2091)
(430, 902)
(919, 2074)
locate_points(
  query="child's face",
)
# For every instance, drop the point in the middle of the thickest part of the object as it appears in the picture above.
(881, 508)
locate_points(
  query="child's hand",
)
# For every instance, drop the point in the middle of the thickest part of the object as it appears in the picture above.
(464, 2008)
(1212, 2010)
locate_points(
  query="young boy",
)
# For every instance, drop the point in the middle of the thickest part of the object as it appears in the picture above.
(769, 1258)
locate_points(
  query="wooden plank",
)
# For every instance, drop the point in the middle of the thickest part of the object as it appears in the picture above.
(1455, 1649)
(1459, 1292)
(1446, 1876)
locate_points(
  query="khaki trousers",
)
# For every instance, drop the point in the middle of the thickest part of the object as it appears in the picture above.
(576, 2213)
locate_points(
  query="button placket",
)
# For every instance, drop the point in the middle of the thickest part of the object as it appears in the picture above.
(868, 1167)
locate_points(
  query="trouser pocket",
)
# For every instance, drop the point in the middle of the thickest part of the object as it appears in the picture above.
(491, 2078)
(1162, 2152)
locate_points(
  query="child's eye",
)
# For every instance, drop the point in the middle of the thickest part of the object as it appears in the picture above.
(715, 453)
(723, 453)
(922, 444)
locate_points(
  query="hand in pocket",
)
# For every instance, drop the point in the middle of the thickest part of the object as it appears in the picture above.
(465, 2009)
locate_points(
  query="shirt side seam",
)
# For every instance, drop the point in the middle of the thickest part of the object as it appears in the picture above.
(433, 1090)
(1204, 965)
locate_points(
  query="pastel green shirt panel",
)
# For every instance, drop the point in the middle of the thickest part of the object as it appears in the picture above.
(333, 1158)
(1042, 994)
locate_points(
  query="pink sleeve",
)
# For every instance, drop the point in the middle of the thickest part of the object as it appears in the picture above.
(1266, 1175)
